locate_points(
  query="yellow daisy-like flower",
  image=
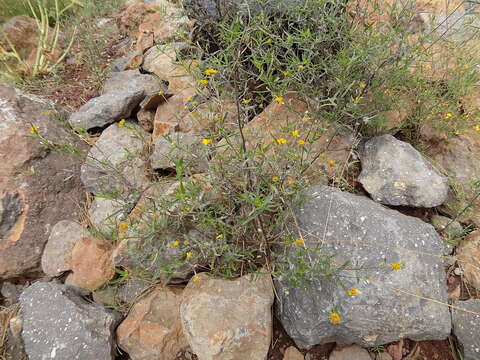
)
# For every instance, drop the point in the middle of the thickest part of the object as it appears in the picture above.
(246, 101)
(210, 72)
(301, 142)
(295, 133)
(280, 100)
(281, 141)
(176, 243)
(161, 92)
(448, 115)
(477, 127)
(299, 241)
(121, 123)
(362, 85)
(189, 254)
(123, 227)
(196, 278)
(34, 129)
(306, 119)
(290, 182)
(206, 141)
(275, 179)
(396, 266)
(353, 292)
(203, 82)
(269, 41)
(335, 318)
(186, 243)
(456, 132)
(218, 237)
(331, 163)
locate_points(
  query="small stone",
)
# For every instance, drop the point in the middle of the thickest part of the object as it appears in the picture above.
(466, 327)
(106, 214)
(132, 80)
(57, 255)
(106, 109)
(394, 173)
(115, 161)
(349, 353)
(59, 324)
(145, 119)
(292, 353)
(228, 319)
(10, 291)
(91, 264)
(131, 289)
(152, 329)
(468, 258)
(179, 146)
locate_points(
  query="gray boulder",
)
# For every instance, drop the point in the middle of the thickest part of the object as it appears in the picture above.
(394, 173)
(132, 80)
(59, 324)
(115, 162)
(106, 109)
(368, 238)
(466, 326)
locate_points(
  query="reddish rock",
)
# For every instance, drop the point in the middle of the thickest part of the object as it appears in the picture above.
(22, 31)
(91, 264)
(292, 353)
(152, 329)
(38, 187)
(468, 258)
(228, 319)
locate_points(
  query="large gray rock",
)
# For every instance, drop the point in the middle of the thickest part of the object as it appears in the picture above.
(114, 162)
(466, 326)
(132, 80)
(394, 173)
(57, 255)
(59, 324)
(106, 109)
(355, 230)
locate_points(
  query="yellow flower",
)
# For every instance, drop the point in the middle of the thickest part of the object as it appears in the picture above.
(206, 141)
(301, 142)
(331, 163)
(281, 141)
(269, 41)
(194, 102)
(34, 129)
(396, 266)
(456, 132)
(323, 155)
(246, 101)
(121, 123)
(161, 92)
(376, 35)
(290, 182)
(47, 112)
(280, 100)
(477, 127)
(362, 85)
(176, 243)
(189, 254)
(448, 115)
(299, 241)
(335, 318)
(186, 243)
(218, 237)
(353, 292)
(300, 67)
(123, 227)
(275, 179)
(196, 278)
(295, 133)
(209, 72)
(306, 119)
(203, 82)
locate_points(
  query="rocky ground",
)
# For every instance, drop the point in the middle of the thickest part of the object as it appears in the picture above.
(62, 284)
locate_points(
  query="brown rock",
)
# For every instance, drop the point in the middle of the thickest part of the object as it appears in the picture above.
(91, 264)
(145, 119)
(228, 319)
(458, 158)
(134, 15)
(22, 31)
(292, 353)
(207, 116)
(38, 188)
(349, 353)
(152, 329)
(468, 258)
